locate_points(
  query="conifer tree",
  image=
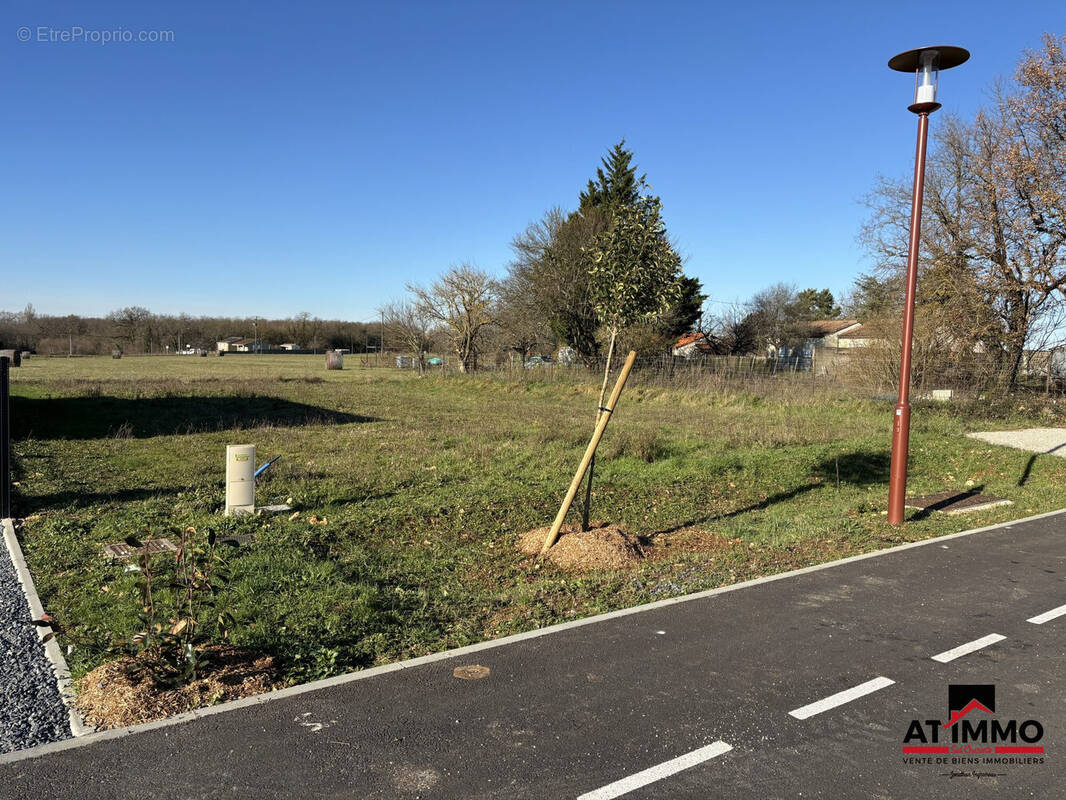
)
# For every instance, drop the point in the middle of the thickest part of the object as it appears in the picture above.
(616, 183)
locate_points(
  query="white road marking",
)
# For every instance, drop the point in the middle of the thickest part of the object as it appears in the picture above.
(969, 647)
(658, 772)
(838, 699)
(1047, 616)
(395, 666)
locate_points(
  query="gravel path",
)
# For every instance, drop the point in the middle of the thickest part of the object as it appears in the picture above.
(31, 710)
(1036, 440)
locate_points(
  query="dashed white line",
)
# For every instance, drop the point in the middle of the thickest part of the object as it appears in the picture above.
(1047, 616)
(969, 647)
(838, 699)
(658, 772)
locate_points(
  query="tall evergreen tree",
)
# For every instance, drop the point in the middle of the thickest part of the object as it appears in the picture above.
(616, 183)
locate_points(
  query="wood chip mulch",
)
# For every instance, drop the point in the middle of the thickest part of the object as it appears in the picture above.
(601, 547)
(112, 697)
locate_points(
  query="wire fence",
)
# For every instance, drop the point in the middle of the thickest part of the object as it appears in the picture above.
(864, 371)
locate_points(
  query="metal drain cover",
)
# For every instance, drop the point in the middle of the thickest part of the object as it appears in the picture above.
(474, 672)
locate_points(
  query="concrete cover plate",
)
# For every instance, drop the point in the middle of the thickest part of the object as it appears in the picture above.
(955, 502)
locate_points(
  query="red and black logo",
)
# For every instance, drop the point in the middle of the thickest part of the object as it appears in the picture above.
(973, 733)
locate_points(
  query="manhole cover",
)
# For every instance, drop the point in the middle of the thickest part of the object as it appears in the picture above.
(955, 502)
(473, 672)
(121, 550)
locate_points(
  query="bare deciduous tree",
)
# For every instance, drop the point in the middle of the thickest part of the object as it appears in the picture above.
(410, 327)
(993, 249)
(523, 327)
(463, 301)
(550, 265)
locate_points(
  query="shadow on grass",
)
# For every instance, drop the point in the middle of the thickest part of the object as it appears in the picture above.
(68, 499)
(1032, 460)
(120, 417)
(860, 468)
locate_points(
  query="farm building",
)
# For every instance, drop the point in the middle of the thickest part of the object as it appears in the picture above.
(238, 344)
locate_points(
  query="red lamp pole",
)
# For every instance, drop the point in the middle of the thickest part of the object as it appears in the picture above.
(925, 63)
(901, 419)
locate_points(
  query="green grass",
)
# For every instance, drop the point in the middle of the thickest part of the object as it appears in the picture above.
(426, 482)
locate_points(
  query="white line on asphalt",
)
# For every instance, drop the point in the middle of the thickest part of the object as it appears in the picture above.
(969, 647)
(1047, 616)
(374, 672)
(658, 772)
(838, 699)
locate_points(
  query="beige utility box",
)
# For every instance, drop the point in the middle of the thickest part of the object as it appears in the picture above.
(240, 479)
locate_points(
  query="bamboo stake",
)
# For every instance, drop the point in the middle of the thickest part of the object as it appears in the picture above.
(590, 451)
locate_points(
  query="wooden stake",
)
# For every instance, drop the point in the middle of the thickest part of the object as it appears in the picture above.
(590, 451)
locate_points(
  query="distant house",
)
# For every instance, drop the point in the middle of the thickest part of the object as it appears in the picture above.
(833, 333)
(691, 345)
(291, 346)
(857, 338)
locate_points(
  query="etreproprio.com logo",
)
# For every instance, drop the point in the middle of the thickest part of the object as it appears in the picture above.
(77, 34)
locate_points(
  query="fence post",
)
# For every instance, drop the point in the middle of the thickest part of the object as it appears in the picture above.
(5, 438)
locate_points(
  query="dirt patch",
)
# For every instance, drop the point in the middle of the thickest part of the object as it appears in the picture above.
(114, 696)
(600, 547)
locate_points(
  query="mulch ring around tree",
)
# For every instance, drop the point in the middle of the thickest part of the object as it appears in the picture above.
(118, 693)
(601, 547)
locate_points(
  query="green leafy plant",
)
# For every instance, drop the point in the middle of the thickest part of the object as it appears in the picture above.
(180, 619)
(634, 276)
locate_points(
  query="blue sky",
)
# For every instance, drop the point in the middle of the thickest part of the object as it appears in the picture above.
(284, 157)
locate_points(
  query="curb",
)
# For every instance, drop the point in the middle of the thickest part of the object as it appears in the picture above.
(490, 644)
(51, 647)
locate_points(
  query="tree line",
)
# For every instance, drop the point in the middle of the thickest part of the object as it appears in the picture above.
(137, 330)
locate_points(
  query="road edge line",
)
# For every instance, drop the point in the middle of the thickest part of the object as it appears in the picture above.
(339, 680)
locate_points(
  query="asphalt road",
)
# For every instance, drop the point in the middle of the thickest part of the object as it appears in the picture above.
(735, 695)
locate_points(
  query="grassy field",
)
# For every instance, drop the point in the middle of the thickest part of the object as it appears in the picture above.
(425, 483)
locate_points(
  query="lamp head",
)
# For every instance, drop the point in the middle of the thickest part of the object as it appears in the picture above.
(926, 64)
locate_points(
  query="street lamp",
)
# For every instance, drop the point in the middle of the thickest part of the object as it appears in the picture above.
(926, 64)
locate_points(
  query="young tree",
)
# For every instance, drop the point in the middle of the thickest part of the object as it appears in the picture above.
(550, 257)
(634, 276)
(463, 301)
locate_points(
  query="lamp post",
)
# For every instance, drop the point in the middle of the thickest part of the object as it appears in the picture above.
(925, 63)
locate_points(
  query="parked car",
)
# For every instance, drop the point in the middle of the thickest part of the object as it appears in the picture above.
(537, 361)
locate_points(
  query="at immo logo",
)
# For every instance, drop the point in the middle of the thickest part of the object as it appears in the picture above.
(972, 727)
